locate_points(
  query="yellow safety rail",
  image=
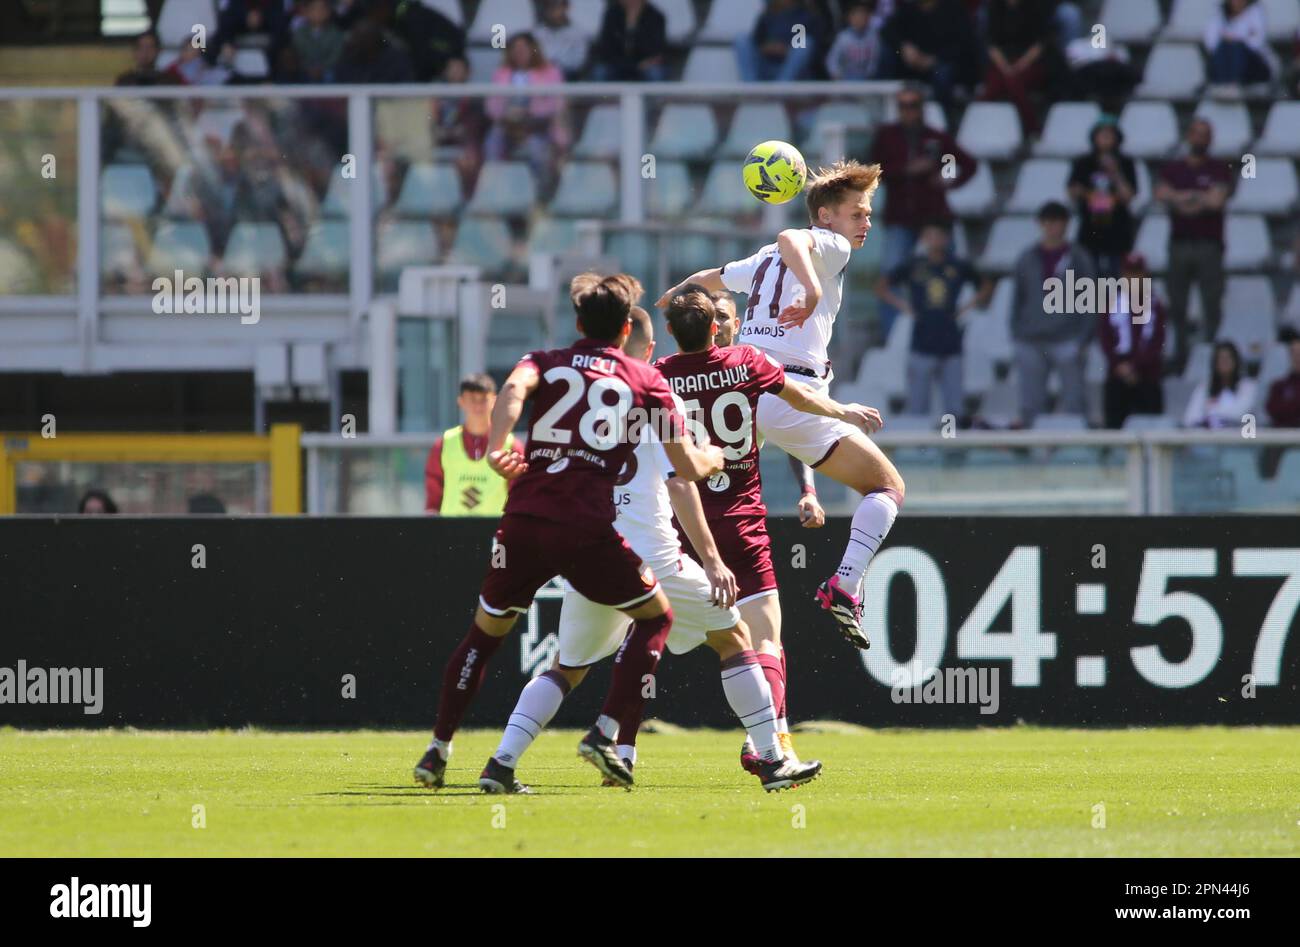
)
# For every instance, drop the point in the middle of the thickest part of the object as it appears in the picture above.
(280, 449)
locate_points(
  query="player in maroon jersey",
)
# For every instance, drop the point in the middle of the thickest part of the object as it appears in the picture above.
(559, 517)
(720, 388)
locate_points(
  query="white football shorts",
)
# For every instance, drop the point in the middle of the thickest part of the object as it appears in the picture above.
(807, 437)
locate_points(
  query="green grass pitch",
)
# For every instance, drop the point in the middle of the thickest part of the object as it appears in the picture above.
(1022, 791)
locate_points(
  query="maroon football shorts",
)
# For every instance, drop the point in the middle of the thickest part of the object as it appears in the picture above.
(746, 549)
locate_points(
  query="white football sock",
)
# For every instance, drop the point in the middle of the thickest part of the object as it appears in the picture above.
(540, 699)
(871, 523)
(782, 725)
(626, 752)
(444, 749)
(751, 701)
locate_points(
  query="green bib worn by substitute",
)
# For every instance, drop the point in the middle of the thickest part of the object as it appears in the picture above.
(470, 487)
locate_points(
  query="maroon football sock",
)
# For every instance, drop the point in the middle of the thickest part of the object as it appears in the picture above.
(780, 708)
(460, 681)
(774, 671)
(637, 658)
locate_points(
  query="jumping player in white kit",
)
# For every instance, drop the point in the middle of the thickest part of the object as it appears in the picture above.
(702, 597)
(794, 287)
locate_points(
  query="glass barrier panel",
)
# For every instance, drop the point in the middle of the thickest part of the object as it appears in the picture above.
(156, 489)
(38, 197)
(1208, 478)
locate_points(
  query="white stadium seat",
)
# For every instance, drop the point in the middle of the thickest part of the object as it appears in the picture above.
(670, 192)
(1273, 189)
(482, 241)
(504, 187)
(727, 20)
(327, 251)
(449, 8)
(514, 15)
(177, 19)
(990, 130)
(587, 15)
(483, 62)
(430, 190)
(680, 15)
(180, 245)
(707, 64)
(725, 192)
(1010, 237)
(1038, 181)
(1188, 18)
(752, 123)
(1246, 242)
(1249, 315)
(1282, 18)
(126, 190)
(252, 248)
(1150, 129)
(1152, 241)
(1065, 133)
(403, 243)
(1173, 71)
(977, 196)
(601, 133)
(685, 132)
(251, 63)
(1130, 21)
(1231, 124)
(586, 189)
(1281, 134)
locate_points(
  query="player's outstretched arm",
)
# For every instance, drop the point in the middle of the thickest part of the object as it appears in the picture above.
(523, 381)
(709, 279)
(802, 398)
(685, 498)
(694, 463)
(796, 247)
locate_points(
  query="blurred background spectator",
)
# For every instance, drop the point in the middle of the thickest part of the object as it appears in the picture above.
(459, 125)
(96, 503)
(563, 42)
(144, 70)
(1018, 36)
(372, 54)
(932, 41)
(633, 43)
(915, 162)
(535, 124)
(856, 52)
(239, 20)
(931, 286)
(317, 42)
(1195, 188)
(457, 478)
(1046, 341)
(1133, 344)
(782, 44)
(1236, 38)
(191, 67)
(431, 39)
(1226, 396)
(1283, 403)
(1102, 185)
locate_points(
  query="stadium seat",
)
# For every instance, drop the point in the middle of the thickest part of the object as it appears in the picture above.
(1188, 18)
(587, 189)
(587, 15)
(126, 191)
(1039, 180)
(933, 115)
(684, 132)
(705, 64)
(850, 115)
(670, 192)
(483, 242)
(180, 245)
(1152, 241)
(1231, 124)
(680, 15)
(977, 368)
(430, 190)
(1275, 364)
(728, 19)
(1130, 21)
(1283, 20)
(253, 247)
(724, 191)
(977, 196)
(1177, 392)
(177, 19)
(483, 62)
(1173, 71)
(1059, 422)
(449, 8)
(403, 243)
(117, 250)
(602, 133)
(886, 370)
(752, 123)
(1246, 242)
(181, 195)
(1065, 133)
(504, 187)
(251, 63)
(1150, 129)
(990, 130)
(636, 254)
(1011, 235)
(326, 252)
(994, 327)
(1291, 313)
(552, 235)
(1150, 422)
(1272, 191)
(1249, 315)
(516, 17)
(1281, 136)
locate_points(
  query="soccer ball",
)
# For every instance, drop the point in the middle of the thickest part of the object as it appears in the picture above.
(775, 172)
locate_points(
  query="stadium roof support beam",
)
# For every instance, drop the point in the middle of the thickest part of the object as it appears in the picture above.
(87, 230)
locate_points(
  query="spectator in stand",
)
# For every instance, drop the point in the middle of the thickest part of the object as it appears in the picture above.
(317, 42)
(856, 52)
(1067, 19)
(921, 164)
(1044, 339)
(782, 44)
(457, 478)
(633, 43)
(1284, 394)
(373, 55)
(431, 38)
(563, 42)
(238, 19)
(1018, 35)
(932, 285)
(1133, 344)
(1228, 395)
(96, 502)
(459, 125)
(1195, 188)
(932, 41)
(145, 70)
(190, 68)
(1102, 185)
(537, 122)
(1236, 39)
